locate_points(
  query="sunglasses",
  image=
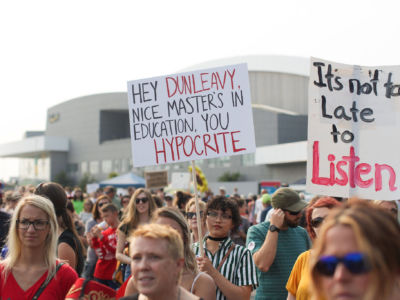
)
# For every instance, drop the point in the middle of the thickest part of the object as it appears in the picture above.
(293, 213)
(102, 203)
(143, 200)
(191, 215)
(356, 263)
(317, 222)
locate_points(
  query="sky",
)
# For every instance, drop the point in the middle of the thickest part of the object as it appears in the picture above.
(54, 51)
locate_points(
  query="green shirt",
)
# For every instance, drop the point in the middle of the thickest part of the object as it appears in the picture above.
(291, 243)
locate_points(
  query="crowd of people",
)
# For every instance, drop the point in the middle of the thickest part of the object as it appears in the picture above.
(61, 243)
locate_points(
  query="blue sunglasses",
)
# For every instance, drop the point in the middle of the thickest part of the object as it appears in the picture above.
(356, 263)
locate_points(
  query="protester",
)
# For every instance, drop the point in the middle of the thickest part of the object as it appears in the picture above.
(139, 212)
(91, 258)
(70, 248)
(266, 202)
(104, 242)
(77, 200)
(275, 245)
(11, 201)
(124, 203)
(31, 268)
(111, 193)
(157, 262)
(4, 226)
(86, 214)
(180, 200)
(168, 200)
(192, 218)
(299, 279)
(230, 265)
(239, 236)
(357, 255)
(198, 283)
(391, 206)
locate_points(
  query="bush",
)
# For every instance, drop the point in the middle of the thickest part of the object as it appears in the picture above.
(228, 176)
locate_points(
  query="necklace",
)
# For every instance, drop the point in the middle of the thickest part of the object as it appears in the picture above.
(217, 239)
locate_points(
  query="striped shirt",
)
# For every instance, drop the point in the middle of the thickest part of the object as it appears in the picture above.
(238, 267)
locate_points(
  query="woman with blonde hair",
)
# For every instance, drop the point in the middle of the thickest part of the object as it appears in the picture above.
(198, 283)
(357, 255)
(139, 212)
(31, 269)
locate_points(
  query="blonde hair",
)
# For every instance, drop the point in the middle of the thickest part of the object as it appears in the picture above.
(162, 232)
(175, 214)
(377, 236)
(131, 217)
(202, 204)
(14, 243)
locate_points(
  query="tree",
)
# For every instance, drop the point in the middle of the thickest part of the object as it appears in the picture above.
(228, 176)
(112, 175)
(86, 179)
(63, 179)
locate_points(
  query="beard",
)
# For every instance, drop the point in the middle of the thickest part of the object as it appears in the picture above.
(291, 223)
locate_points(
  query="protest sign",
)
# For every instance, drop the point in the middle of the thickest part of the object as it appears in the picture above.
(353, 121)
(156, 179)
(180, 181)
(191, 116)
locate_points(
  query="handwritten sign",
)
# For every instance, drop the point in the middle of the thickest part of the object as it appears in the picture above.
(156, 179)
(353, 125)
(191, 116)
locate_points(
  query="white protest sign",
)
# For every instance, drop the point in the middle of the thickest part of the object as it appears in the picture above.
(180, 181)
(191, 116)
(353, 125)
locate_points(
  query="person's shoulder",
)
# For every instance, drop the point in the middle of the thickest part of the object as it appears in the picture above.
(260, 227)
(66, 272)
(205, 278)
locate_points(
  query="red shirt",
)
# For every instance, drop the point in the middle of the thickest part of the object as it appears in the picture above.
(57, 288)
(105, 249)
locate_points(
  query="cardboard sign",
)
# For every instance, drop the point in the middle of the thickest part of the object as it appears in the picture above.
(353, 125)
(180, 181)
(156, 179)
(191, 116)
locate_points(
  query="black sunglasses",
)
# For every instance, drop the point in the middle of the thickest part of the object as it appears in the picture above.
(293, 213)
(356, 263)
(143, 200)
(102, 203)
(317, 222)
(191, 215)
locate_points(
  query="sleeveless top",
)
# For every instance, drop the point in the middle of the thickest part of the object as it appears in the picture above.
(68, 237)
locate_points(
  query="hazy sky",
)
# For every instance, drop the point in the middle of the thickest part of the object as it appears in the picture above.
(53, 51)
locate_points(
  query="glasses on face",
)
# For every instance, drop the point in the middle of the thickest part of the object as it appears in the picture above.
(293, 213)
(356, 263)
(102, 203)
(37, 224)
(317, 222)
(143, 200)
(191, 215)
(214, 215)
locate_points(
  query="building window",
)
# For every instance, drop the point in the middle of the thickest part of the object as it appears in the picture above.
(84, 167)
(106, 166)
(248, 160)
(221, 162)
(94, 167)
(117, 165)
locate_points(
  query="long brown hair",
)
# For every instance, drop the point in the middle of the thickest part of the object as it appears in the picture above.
(131, 217)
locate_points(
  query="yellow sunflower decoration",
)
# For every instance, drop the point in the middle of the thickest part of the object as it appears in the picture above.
(202, 184)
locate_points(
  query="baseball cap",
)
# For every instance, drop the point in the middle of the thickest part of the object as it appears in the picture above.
(288, 199)
(266, 198)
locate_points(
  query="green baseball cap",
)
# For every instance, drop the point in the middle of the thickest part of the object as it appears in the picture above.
(266, 199)
(287, 199)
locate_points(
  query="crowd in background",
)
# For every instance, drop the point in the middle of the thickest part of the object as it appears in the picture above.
(94, 234)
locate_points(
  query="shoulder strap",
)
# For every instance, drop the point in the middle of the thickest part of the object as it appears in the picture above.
(44, 284)
(226, 256)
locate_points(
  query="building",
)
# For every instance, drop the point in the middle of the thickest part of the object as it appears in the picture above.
(90, 134)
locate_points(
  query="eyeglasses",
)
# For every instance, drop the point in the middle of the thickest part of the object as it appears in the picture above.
(143, 200)
(102, 203)
(293, 213)
(191, 215)
(215, 215)
(37, 224)
(356, 263)
(317, 222)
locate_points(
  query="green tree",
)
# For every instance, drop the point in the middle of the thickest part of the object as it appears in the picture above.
(63, 179)
(86, 179)
(112, 175)
(228, 176)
